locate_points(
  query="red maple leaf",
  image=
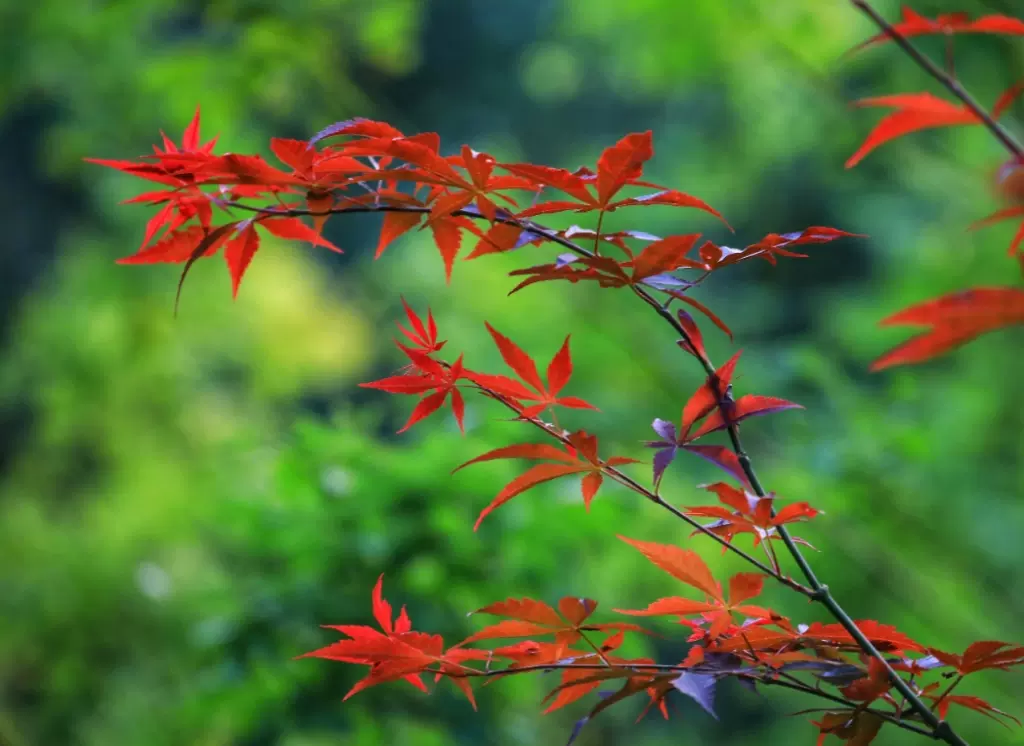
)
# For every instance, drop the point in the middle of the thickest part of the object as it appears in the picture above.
(920, 111)
(745, 512)
(525, 617)
(546, 395)
(915, 24)
(718, 611)
(579, 457)
(955, 319)
(395, 653)
(982, 655)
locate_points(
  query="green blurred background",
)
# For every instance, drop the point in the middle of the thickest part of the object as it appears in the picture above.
(185, 500)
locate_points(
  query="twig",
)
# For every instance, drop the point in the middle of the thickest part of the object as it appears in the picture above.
(656, 669)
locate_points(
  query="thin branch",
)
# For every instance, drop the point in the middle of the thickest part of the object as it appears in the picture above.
(817, 591)
(655, 669)
(626, 481)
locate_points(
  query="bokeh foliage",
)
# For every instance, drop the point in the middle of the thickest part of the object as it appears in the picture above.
(185, 500)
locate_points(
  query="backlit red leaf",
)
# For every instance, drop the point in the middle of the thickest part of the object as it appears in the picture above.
(955, 319)
(683, 564)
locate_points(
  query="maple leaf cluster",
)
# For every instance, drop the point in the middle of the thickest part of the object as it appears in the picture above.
(877, 674)
(957, 318)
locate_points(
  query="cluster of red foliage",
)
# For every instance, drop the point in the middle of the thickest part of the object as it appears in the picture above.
(361, 166)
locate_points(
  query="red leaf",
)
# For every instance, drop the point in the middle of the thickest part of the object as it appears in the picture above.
(516, 359)
(743, 586)
(426, 407)
(1007, 214)
(509, 628)
(955, 319)
(560, 369)
(704, 310)
(722, 457)
(448, 237)
(683, 564)
(914, 112)
(238, 252)
(749, 405)
(665, 255)
(672, 198)
(395, 224)
(294, 153)
(914, 24)
(576, 609)
(531, 478)
(524, 609)
(296, 230)
(622, 163)
(673, 606)
(706, 398)
(381, 608)
(522, 450)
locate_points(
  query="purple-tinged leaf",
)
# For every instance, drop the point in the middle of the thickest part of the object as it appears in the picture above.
(666, 430)
(698, 687)
(355, 126)
(603, 694)
(565, 259)
(642, 236)
(723, 458)
(666, 281)
(662, 459)
(835, 673)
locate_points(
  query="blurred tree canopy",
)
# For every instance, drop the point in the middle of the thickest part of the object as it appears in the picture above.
(185, 500)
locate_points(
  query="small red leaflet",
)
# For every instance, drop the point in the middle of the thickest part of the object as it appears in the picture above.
(578, 456)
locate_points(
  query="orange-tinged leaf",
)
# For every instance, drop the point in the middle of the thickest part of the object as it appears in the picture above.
(576, 609)
(530, 478)
(510, 628)
(683, 564)
(573, 687)
(672, 606)
(744, 586)
(955, 319)
(523, 609)
(590, 485)
(523, 450)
